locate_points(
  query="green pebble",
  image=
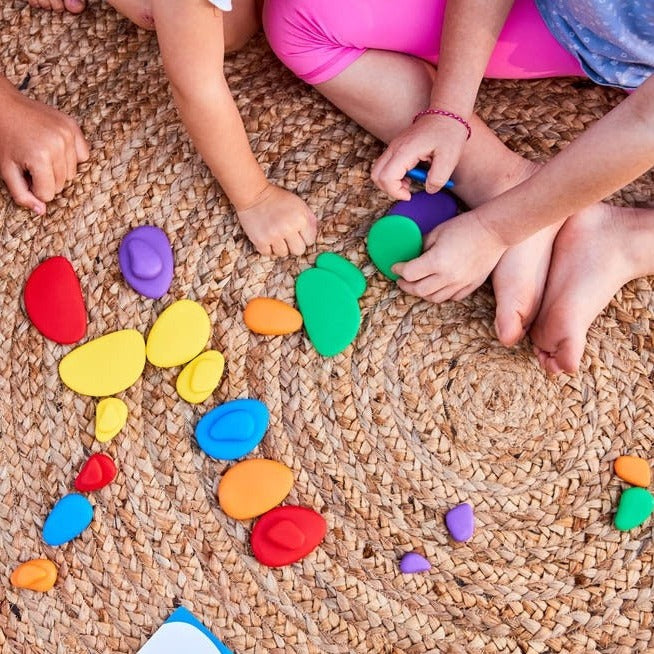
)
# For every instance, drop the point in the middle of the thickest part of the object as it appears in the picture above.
(636, 505)
(393, 239)
(345, 269)
(330, 311)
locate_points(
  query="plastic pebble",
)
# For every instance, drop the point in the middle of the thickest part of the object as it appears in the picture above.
(286, 535)
(344, 269)
(460, 522)
(636, 505)
(110, 418)
(427, 210)
(253, 487)
(96, 473)
(178, 335)
(232, 429)
(38, 574)
(200, 377)
(633, 470)
(413, 562)
(265, 315)
(393, 239)
(105, 365)
(145, 257)
(54, 302)
(330, 310)
(69, 517)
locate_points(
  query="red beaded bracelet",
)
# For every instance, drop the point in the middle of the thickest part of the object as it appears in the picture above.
(443, 112)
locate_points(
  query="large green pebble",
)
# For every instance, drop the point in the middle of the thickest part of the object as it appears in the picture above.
(393, 239)
(331, 312)
(636, 505)
(345, 269)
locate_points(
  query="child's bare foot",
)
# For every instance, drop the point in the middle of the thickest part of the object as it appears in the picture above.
(73, 6)
(519, 277)
(596, 252)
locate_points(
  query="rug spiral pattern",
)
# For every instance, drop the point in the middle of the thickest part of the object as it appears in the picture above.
(424, 411)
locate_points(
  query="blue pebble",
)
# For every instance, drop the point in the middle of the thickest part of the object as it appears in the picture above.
(233, 429)
(69, 517)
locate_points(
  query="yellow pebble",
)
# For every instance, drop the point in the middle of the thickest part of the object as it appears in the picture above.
(178, 335)
(105, 365)
(110, 418)
(200, 377)
(37, 574)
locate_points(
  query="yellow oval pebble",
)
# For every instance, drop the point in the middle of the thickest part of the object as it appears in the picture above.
(110, 418)
(37, 574)
(178, 335)
(105, 365)
(253, 487)
(200, 377)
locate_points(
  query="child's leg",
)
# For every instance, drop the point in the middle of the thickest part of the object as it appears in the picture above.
(74, 6)
(382, 91)
(317, 39)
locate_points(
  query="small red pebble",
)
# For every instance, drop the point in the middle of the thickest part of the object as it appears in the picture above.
(96, 473)
(286, 535)
(54, 302)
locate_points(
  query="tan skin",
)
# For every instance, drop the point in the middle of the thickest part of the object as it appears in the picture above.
(193, 38)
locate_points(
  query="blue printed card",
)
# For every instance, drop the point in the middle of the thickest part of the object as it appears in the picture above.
(183, 632)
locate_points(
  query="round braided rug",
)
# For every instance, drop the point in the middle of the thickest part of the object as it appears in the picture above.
(425, 410)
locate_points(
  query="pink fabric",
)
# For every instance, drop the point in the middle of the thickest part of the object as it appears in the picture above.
(318, 39)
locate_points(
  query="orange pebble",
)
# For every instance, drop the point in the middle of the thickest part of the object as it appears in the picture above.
(265, 315)
(37, 574)
(254, 486)
(633, 470)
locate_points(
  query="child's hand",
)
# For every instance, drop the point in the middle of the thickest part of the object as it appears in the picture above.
(279, 222)
(458, 257)
(40, 148)
(438, 139)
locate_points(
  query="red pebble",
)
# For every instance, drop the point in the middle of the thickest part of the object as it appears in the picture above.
(286, 535)
(54, 302)
(96, 473)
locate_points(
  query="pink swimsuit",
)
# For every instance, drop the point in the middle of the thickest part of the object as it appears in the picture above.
(318, 39)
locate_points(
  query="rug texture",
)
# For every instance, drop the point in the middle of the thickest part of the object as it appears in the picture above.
(424, 411)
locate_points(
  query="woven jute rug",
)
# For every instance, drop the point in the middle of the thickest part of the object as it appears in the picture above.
(424, 411)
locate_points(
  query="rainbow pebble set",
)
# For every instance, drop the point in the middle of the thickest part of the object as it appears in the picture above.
(328, 308)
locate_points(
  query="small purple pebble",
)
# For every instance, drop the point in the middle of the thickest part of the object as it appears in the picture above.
(146, 261)
(460, 522)
(413, 562)
(427, 210)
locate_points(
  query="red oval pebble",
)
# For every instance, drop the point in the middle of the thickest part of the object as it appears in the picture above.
(96, 473)
(286, 535)
(54, 302)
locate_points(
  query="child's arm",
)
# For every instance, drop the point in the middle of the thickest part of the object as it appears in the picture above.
(38, 141)
(470, 31)
(191, 40)
(461, 253)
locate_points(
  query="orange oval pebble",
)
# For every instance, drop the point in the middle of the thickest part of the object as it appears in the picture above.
(265, 315)
(38, 574)
(253, 487)
(633, 470)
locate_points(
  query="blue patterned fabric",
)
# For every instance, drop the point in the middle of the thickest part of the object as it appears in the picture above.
(613, 39)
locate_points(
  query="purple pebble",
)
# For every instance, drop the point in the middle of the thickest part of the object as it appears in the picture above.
(145, 257)
(427, 210)
(414, 562)
(460, 522)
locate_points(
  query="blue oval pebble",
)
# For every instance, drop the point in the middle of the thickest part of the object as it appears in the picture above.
(233, 429)
(69, 517)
